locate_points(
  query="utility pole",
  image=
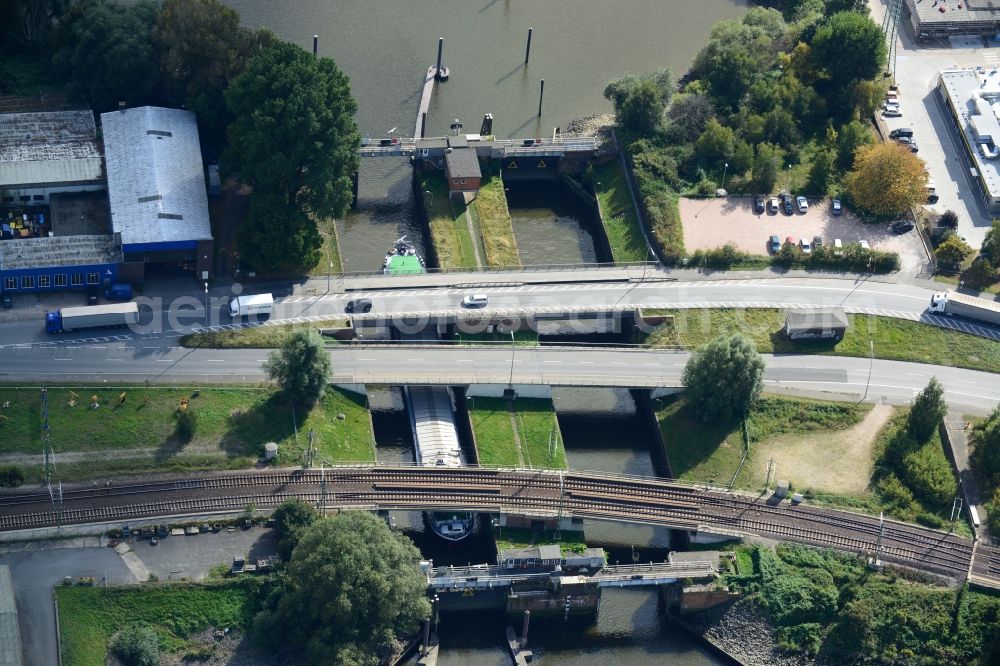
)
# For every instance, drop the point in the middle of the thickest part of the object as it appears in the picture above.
(876, 561)
(956, 511)
(889, 25)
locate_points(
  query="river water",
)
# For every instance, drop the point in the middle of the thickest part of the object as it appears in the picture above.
(577, 47)
(385, 48)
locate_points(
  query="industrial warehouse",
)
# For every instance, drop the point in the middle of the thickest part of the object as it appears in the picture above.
(72, 220)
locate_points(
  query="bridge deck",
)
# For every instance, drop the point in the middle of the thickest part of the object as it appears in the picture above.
(612, 576)
(434, 434)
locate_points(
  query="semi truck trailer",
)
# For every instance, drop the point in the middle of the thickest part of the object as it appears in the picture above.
(91, 316)
(953, 303)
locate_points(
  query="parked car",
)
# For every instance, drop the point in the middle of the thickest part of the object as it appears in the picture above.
(758, 205)
(838, 247)
(902, 226)
(817, 241)
(791, 240)
(901, 131)
(932, 198)
(837, 207)
(774, 243)
(892, 112)
(912, 145)
(864, 245)
(772, 205)
(92, 296)
(786, 204)
(802, 203)
(890, 104)
(902, 139)
(806, 247)
(359, 305)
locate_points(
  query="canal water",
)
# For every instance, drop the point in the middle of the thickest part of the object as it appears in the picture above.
(551, 225)
(386, 47)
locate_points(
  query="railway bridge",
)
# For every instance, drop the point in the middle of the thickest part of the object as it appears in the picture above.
(541, 493)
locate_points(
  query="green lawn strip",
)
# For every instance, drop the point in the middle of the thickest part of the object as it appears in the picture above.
(517, 537)
(821, 601)
(495, 223)
(494, 435)
(89, 616)
(991, 289)
(124, 466)
(620, 219)
(256, 337)
(330, 252)
(448, 224)
(233, 422)
(539, 428)
(894, 339)
(711, 452)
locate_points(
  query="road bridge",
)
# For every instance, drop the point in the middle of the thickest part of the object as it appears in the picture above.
(636, 575)
(541, 493)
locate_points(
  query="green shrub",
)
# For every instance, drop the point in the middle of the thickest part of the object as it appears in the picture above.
(706, 187)
(136, 645)
(11, 476)
(806, 637)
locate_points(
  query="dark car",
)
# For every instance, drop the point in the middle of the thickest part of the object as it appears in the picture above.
(902, 226)
(932, 198)
(359, 305)
(786, 204)
(758, 205)
(838, 208)
(92, 296)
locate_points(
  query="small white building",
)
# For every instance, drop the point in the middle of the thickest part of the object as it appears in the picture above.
(48, 152)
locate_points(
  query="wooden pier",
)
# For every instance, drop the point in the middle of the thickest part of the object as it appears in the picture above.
(425, 100)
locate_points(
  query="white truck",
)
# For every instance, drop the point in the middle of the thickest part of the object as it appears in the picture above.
(92, 316)
(953, 303)
(253, 304)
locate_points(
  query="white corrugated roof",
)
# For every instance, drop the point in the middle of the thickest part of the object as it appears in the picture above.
(156, 184)
(48, 147)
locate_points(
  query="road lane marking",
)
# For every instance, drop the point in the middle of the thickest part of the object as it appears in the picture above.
(215, 360)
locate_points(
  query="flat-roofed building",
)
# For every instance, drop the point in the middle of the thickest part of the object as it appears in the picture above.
(156, 188)
(944, 18)
(973, 99)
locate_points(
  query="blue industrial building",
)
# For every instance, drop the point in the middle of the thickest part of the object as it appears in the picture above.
(35, 265)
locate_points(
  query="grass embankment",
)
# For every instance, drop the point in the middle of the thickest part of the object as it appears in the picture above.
(90, 616)
(232, 426)
(711, 452)
(953, 281)
(537, 429)
(620, 220)
(493, 216)
(895, 339)
(449, 224)
(517, 537)
(823, 602)
(330, 252)
(256, 337)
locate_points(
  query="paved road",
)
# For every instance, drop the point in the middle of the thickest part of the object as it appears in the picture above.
(163, 321)
(893, 381)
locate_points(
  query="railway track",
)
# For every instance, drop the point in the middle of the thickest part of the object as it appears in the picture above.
(585, 495)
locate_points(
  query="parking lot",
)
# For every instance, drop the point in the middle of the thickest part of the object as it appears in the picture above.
(711, 223)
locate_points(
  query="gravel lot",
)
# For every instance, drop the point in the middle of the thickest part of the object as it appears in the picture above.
(711, 223)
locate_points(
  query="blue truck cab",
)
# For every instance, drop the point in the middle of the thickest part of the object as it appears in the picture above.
(118, 292)
(53, 322)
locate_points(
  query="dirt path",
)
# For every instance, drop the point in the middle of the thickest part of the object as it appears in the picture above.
(838, 462)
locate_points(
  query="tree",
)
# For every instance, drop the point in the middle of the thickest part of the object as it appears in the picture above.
(821, 172)
(991, 244)
(723, 378)
(953, 251)
(104, 49)
(353, 592)
(780, 128)
(849, 46)
(765, 167)
(186, 425)
(689, 114)
(295, 248)
(294, 135)
(837, 6)
(980, 274)
(948, 219)
(11, 476)
(201, 48)
(715, 145)
(852, 136)
(640, 101)
(986, 451)
(136, 645)
(301, 366)
(887, 179)
(291, 519)
(927, 411)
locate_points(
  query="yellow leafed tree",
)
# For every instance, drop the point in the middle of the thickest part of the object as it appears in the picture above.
(887, 179)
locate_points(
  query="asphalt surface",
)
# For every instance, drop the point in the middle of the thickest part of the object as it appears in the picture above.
(892, 381)
(163, 320)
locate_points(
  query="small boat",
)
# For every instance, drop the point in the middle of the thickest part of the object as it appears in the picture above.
(402, 259)
(443, 73)
(450, 525)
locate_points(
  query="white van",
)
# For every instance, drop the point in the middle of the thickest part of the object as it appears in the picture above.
(253, 304)
(475, 301)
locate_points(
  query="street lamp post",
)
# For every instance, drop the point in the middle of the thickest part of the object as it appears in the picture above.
(206, 305)
(724, 170)
(511, 382)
